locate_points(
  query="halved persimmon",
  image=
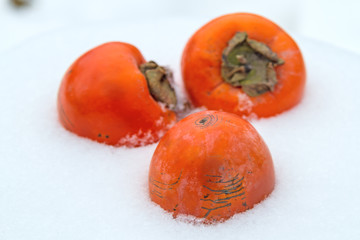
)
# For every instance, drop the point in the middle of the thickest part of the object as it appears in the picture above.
(111, 95)
(211, 165)
(245, 64)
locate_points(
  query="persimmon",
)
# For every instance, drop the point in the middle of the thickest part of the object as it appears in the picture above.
(245, 64)
(211, 165)
(111, 95)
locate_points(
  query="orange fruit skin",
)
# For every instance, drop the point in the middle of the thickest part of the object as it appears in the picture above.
(104, 96)
(201, 67)
(211, 165)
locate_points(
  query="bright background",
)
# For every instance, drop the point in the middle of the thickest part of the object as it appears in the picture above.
(56, 185)
(335, 22)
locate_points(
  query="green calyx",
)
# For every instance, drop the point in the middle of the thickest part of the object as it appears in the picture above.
(158, 79)
(249, 64)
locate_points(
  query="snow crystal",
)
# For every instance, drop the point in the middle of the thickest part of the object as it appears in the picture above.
(244, 103)
(159, 121)
(143, 138)
(137, 139)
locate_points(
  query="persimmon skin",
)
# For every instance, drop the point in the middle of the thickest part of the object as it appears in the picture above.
(104, 96)
(211, 160)
(201, 67)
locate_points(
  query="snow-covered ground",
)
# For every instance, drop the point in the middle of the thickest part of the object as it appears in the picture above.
(56, 185)
(335, 22)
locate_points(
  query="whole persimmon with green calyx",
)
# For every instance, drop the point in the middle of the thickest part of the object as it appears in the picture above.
(111, 95)
(245, 64)
(211, 165)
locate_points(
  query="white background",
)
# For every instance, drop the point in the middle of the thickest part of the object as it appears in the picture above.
(335, 22)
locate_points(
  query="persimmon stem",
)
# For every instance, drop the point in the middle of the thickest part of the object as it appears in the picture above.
(249, 64)
(159, 82)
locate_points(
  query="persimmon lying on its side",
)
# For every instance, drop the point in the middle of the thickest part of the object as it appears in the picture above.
(111, 95)
(244, 64)
(210, 165)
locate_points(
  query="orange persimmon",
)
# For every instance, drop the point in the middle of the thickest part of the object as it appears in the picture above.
(111, 95)
(211, 165)
(245, 64)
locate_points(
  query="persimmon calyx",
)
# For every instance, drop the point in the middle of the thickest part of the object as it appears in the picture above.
(249, 64)
(159, 82)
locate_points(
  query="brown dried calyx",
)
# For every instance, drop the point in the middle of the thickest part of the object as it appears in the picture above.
(159, 82)
(249, 64)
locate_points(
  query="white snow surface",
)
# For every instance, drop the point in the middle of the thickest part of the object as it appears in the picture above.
(56, 185)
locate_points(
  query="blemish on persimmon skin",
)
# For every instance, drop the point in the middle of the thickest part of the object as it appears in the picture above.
(203, 120)
(63, 116)
(101, 135)
(161, 187)
(223, 193)
(206, 120)
(69, 72)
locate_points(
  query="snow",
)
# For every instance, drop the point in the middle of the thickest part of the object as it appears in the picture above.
(56, 185)
(335, 22)
(245, 104)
